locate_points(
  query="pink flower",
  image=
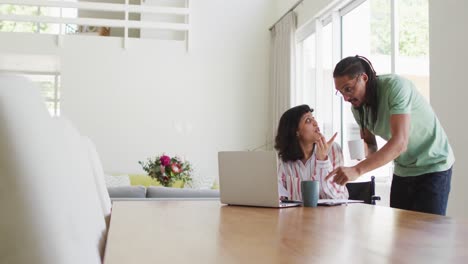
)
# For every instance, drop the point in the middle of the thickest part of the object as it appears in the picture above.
(161, 168)
(165, 160)
(176, 168)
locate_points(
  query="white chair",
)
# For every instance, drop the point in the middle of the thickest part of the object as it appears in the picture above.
(51, 210)
(98, 172)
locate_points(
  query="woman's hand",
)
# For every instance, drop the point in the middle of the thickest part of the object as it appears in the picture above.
(323, 147)
(342, 175)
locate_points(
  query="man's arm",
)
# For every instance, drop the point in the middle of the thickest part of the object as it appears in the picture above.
(400, 129)
(370, 141)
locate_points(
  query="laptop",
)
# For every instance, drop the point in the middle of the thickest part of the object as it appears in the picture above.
(250, 178)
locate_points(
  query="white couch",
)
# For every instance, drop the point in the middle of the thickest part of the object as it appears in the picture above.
(54, 204)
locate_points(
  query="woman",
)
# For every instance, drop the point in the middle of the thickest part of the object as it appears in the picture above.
(306, 155)
(389, 106)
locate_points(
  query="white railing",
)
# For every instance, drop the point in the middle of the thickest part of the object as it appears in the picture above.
(103, 22)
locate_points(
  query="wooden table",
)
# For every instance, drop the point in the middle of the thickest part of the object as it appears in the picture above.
(208, 232)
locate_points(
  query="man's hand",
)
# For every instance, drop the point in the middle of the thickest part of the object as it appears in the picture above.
(342, 175)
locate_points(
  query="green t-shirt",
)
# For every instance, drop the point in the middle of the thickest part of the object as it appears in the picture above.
(428, 147)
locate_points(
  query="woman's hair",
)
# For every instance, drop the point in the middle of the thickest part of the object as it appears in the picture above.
(352, 67)
(286, 141)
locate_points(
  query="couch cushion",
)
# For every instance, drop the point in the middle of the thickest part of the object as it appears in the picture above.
(166, 192)
(116, 180)
(145, 180)
(127, 192)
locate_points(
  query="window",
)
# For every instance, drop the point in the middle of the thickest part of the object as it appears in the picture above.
(35, 27)
(307, 69)
(392, 34)
(49, 85)
(366, 32)
(10, 26)
(149, 19)
(372, 40)
(315, 70)
(325, 95)
(412, 56)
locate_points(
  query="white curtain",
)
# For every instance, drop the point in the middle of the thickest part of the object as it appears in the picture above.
(283, 61)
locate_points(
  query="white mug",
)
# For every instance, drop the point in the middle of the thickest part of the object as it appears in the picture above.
(356, 149)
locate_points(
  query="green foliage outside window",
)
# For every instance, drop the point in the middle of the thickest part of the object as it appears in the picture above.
(413, 27)
(12, 26)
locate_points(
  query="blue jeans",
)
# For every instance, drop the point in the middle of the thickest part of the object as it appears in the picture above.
(427, 193)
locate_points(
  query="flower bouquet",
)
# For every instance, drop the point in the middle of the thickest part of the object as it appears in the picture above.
(167, 170)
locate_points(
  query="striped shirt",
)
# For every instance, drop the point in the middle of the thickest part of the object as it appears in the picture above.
(291, 173)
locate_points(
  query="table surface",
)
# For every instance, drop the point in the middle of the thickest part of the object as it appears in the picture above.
(209, 232)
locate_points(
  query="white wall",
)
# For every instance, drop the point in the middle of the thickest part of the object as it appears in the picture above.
(282, 6)
(154, 97)
(449, 91)
(307, 10)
